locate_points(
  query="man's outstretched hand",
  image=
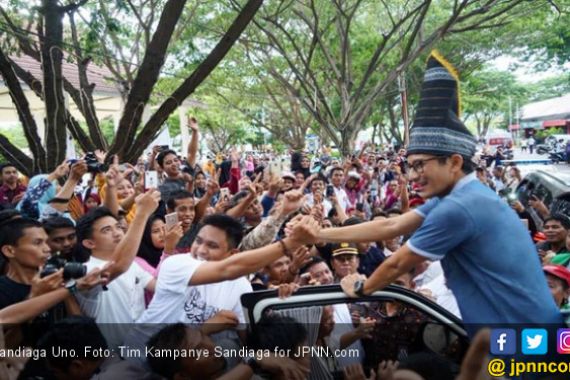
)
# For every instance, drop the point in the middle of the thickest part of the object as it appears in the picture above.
(348, 282)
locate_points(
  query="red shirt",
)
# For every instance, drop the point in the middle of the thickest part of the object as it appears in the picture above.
(7, 195)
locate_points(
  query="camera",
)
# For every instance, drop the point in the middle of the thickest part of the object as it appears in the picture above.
(70, 270)
(93, 165)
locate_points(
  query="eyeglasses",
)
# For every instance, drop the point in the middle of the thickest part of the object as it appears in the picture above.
(418, 166)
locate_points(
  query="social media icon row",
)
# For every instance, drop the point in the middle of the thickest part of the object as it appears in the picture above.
(533, 341)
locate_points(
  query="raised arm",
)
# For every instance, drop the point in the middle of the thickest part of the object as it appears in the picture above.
(376, 230)
(193, 145)
(66, 192)
(126, 251)
(248, 262)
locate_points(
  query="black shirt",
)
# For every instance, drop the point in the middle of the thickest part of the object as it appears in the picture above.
(12, 292)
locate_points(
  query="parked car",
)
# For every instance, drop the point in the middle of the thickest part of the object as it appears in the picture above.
(441, 333)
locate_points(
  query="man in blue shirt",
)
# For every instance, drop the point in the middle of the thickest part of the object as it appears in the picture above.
(489, 260)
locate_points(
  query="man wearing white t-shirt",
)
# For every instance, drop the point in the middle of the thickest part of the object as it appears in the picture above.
(123, 300)
(337, 180)
(181, 292)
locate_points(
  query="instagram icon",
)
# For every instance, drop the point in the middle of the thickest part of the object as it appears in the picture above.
(563, 341)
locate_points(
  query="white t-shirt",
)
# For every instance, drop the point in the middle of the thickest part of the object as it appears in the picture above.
(342, 197)
(122, 303)
(174, 301)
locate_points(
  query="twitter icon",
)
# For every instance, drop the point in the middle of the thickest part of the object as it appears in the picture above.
(534, 341)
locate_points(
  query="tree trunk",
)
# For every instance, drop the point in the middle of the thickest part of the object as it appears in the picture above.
(28, 123)
(151, 128)
(347, 140)
(146, 78)
(52, 57)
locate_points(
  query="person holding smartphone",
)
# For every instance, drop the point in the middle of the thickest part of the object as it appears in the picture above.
(487, 255)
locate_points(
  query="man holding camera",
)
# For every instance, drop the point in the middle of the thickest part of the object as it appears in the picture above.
(23, 242)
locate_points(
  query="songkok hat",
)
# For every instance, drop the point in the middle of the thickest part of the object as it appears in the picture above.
(437, 128)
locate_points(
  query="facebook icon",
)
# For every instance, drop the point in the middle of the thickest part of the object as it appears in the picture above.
(503, 342)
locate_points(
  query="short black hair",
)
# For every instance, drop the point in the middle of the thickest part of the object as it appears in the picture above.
(563, 219)
(336, 169)
(231, 226)
(162, 155)
(318, 178)
(6, 165)
(72, 334)
(171, 337)
(84, 227)
(274, 331)
(313, 260)
(352, 221)
(12, 230)
(9, 214)
(57, 222)
(394, 210)
(176, 196)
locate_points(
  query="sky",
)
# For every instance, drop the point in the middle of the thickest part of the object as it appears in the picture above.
(524, 72)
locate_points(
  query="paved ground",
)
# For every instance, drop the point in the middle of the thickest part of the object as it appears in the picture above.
(562, 168)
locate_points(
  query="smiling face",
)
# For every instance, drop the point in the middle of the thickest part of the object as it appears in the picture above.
(555, 232)
(185, 210)
(434, 176)
(211, 244)
(125, 189)
(171, 165)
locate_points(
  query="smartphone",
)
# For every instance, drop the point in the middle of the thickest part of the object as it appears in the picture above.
(360, 206)
(151, 179)
(171, 220)
(225, 193)
(330, 191)
(164, 147)
(275, 168)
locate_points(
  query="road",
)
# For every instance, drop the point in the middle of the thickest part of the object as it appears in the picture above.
(561, 168)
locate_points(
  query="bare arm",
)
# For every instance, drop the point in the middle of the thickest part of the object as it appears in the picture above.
(211, 189)
(126, 251)
(251, 261)
(193, 145)
(76, 173)
(402, 261)
(28, 309)
(376, 230)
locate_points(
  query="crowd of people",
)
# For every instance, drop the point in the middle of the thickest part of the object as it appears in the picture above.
(106, 255)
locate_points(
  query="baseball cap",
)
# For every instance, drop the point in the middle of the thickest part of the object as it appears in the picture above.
(558, 271)
(288, 175)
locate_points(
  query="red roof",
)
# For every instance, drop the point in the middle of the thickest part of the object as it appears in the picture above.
(554, 123)
(100, 76)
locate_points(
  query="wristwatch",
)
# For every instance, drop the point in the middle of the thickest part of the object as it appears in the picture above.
(71, 285)
(359, 288)
(251, 362)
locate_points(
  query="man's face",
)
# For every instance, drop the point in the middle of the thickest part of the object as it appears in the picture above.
(243, 183)
(255, 211)
(31, 250)
(171, 165)
(557, 288)
(434, 179)
(107, 234)
(555, 232)
(317, 187)
(9, 175)
(337, 178)
(343, 265)
(185, 210)
(62, 240)
(321, 273)
(211, 244)
(277, 270)
(497, 172)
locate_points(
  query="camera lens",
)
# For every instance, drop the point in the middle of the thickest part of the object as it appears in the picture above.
(74, 270)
